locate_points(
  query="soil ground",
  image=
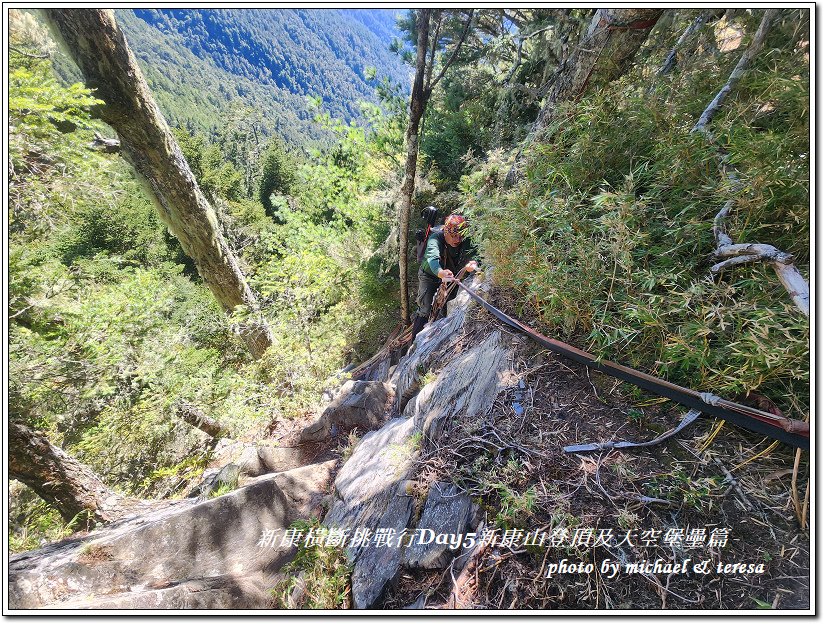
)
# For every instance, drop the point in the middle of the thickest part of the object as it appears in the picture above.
(658, 501)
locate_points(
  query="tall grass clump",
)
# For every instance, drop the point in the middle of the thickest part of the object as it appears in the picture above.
(608, 236)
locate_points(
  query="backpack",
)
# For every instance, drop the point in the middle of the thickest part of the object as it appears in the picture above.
(430, 215)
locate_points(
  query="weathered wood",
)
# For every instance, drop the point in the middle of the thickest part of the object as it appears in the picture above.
(193, 415)
(99, 48)
(672, 58)
(742, 66)
(730, 253)
(743, 253)
(58, 478)
(107, 146)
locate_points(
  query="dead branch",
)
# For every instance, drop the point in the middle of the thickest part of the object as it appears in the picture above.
(27, 54)
(742, 66)
(193, 415)
(465, 587)
(107, 146)
(759, 250)
(743, 253)
(733, 483)
(455, 51)
(672, 57)
(730, 253)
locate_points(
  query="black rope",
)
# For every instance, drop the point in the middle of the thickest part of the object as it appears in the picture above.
(793, 432)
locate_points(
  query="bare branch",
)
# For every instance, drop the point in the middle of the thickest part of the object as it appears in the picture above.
(765, 252)
(194, 416)
(731, 262)
(455, 51)
(744, 253)
(27, 54)
(433, 49)
(695, 26)
(103, 144)
(722, 239)
(740, 68)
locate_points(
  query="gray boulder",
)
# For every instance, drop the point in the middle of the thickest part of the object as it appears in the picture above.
(359, 404)
(434, 344)
(376, 567)
(158, 558)
(468, 384)
(370, 494)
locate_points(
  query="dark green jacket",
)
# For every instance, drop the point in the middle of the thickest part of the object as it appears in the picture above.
(439, 255)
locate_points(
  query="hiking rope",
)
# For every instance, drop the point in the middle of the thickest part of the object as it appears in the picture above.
(793, 432)
(443, 294)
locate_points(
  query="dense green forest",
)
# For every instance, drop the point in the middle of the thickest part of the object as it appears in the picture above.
(111, 328)
(258, 67)
(598, 213)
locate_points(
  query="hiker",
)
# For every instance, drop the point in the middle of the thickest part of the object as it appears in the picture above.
(446, 252)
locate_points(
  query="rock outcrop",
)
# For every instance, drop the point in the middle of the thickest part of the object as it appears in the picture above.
(447, 512)
(358, 405)
(187, 554)
(372, 494)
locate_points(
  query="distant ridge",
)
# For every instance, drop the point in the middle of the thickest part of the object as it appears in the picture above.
(198, 61)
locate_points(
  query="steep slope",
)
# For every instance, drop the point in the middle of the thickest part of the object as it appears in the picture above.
(382, 22)
(462, 495)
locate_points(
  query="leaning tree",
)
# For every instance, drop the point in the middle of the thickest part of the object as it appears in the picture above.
(99, 48)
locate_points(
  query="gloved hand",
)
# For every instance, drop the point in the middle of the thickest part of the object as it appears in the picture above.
(446, 275)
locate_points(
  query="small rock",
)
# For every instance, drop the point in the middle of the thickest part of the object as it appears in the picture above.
(250, 463)
(280, 458)
(447, 512)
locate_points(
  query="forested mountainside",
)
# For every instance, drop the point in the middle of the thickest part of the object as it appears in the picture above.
(198, 62)
(188, 301)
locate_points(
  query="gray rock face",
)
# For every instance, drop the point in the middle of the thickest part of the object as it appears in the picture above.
(378, 372)
(381, 461)
(433, 345)
(359, 404)
(447, 512)
(221, 592)
(252, 460)
(158, 558)
(370, 489)
(467, 384)
(370, 495)
(281, 458)
(378, 566)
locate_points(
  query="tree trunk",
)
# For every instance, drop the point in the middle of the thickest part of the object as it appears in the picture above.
(99, 48)
(417, 104)
(57, 477)
(604, 53)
